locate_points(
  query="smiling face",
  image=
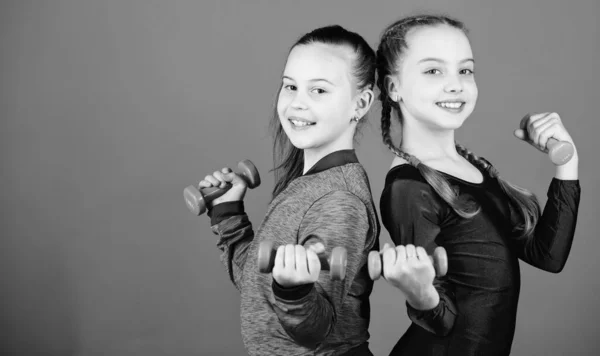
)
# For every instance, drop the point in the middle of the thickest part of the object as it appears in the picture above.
(435, 78)
(317, 98)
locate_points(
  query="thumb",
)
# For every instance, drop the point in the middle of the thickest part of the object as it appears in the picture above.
(234, 179)
(317, 248)
(314, 264)
(520, 134)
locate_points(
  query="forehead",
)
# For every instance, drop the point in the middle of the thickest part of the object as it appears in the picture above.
(319, 60)
(442, 41)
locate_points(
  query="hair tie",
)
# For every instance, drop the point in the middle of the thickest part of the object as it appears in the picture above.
(492, 171)
(413, 161)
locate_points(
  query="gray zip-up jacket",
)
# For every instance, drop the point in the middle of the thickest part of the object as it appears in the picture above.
(331, 203)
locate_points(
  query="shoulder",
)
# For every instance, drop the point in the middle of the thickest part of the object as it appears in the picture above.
(406, 187)
(338, 202)
(404, 177)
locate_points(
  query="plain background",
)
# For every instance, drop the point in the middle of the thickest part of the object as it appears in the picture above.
(109, 109)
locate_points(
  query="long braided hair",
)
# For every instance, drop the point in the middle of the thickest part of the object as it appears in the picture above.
(391, 47)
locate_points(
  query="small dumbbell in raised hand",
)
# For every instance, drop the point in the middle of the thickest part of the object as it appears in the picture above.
(535, 130)
(197, 200)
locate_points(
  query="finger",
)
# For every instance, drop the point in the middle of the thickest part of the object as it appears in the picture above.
(400, 254)
(226, 170)
(279, 258)
(534, 123)
(234, 178)
(410, 251)
(422, 254)
(317, 247)
(531, 118)
(524, 121)
(314, 265)
(520, 134)
(546, 131)
(388, 260)
(204, 184)
(212, 180)
(385, 247)
(219, 175)
(290, 258)
(301, 264)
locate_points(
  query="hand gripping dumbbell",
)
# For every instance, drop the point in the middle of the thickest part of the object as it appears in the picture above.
(198, 200)
(560, 152)
(439, 260)
(334, 263)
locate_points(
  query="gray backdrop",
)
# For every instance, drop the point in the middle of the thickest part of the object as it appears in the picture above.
(109, 109)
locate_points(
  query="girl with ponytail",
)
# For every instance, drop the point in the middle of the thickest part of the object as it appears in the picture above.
(439, 193)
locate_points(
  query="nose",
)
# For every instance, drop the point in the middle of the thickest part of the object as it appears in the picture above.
(454, 84)
(298, 101)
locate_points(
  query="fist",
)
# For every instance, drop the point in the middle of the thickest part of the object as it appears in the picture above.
(222, 179)
(537, 129)
(411, 270)
(296, 265)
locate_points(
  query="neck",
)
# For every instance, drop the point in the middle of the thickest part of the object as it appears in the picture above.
(426, 143)
(313, 155)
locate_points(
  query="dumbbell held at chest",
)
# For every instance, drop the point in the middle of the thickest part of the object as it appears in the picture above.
(335, 262)
(439, 261)
(197, 200)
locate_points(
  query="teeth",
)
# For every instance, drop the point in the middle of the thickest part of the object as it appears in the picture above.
(453, 105)
(300, 123)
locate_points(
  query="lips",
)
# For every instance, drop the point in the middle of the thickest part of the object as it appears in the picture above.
(452, 105)
(300, 122)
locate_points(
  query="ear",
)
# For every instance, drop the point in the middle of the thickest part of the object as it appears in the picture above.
(364, 100)
(392, 86)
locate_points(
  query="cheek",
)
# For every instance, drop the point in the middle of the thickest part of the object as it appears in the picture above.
(282, 103)
(474, 90)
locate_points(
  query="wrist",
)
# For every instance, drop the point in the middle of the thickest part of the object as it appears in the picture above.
(424, 300)
(569, 170)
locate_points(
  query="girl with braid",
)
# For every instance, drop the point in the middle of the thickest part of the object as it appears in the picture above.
(439, 193)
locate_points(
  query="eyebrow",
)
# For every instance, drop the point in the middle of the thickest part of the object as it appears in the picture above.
(312, 80)
(431, 59)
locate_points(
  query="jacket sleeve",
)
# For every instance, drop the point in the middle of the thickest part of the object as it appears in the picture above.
(308, 313)
(231, 224)
(410, 213)
(550, 244)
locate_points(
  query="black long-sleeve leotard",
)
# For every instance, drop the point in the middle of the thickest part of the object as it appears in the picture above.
(477, 311)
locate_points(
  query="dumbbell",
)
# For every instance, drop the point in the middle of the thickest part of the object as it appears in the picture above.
(197, 200)
(439, 260)
(334, 263)
(560, 152)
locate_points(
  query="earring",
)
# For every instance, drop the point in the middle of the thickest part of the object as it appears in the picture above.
(355, 119)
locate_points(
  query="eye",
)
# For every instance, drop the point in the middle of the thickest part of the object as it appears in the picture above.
(467, 71)
(319, 91)
(289, 87)
(433, 71)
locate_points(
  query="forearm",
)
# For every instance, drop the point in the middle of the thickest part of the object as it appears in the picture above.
(231, 224)
(440, 318)
(305, 314)
(550, 245)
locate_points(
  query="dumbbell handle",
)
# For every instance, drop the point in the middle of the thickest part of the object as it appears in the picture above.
(211, 193)
(560, 152)
(439, 261)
